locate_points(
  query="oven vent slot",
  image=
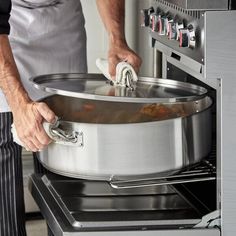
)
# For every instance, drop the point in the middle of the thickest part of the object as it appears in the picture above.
(199, 5)
(194, 14)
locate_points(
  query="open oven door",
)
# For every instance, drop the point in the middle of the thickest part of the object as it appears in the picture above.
(72, 206)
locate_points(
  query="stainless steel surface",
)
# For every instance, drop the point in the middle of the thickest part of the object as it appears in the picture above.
(180, 232)
(65, 203)
(199, 4)
(96, 87)
(187, 65)
(217, 70)
(220, 63)
(115, 149)
(220, 52)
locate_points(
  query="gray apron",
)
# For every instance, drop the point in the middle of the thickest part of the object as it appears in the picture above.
(47, 36)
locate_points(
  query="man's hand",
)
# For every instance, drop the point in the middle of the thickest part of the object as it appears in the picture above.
(119, 51)
(28, 122)
(113, 16)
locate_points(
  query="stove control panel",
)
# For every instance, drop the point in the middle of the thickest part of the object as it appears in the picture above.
(165, 24)
(176, 27)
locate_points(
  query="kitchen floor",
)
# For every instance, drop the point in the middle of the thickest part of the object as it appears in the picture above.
(36, 228)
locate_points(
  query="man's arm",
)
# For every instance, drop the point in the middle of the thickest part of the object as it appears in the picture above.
(9, 82)
(27, 115)
(113, 16)
(9, 76)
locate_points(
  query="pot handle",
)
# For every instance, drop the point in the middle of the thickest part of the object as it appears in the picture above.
(58, 135)
(64, 137)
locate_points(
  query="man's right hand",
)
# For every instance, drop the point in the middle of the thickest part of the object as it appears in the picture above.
(28, 119)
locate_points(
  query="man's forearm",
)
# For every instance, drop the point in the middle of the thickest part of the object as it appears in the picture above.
(9, 77)
(113, 14)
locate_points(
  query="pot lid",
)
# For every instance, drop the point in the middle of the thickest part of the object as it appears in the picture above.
(97, 87)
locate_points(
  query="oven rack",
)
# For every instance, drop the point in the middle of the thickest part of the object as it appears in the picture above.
(202, 171)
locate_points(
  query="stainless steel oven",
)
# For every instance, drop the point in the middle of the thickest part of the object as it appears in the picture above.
(196, 41)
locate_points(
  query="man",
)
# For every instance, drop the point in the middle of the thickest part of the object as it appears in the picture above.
(47, 36)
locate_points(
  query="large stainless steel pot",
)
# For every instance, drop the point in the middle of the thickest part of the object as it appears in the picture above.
(112, 138)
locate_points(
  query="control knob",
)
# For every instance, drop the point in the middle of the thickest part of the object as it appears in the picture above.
(183, 38)
(168, 21)
(172, 30)
(154, 22)
(192, 36)
(179, 26)
(145, 16)
(162, 25)
(187, 37)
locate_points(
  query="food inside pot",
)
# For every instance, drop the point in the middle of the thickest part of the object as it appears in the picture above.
(94, 111)
(161, 111)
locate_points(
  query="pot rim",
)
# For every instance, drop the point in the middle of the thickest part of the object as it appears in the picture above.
(47, 83)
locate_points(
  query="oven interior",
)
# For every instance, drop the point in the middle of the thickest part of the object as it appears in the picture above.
(206, 192)
(95, 205)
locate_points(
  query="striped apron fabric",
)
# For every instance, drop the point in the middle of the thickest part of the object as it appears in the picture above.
(12, 221)
(47, 36)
